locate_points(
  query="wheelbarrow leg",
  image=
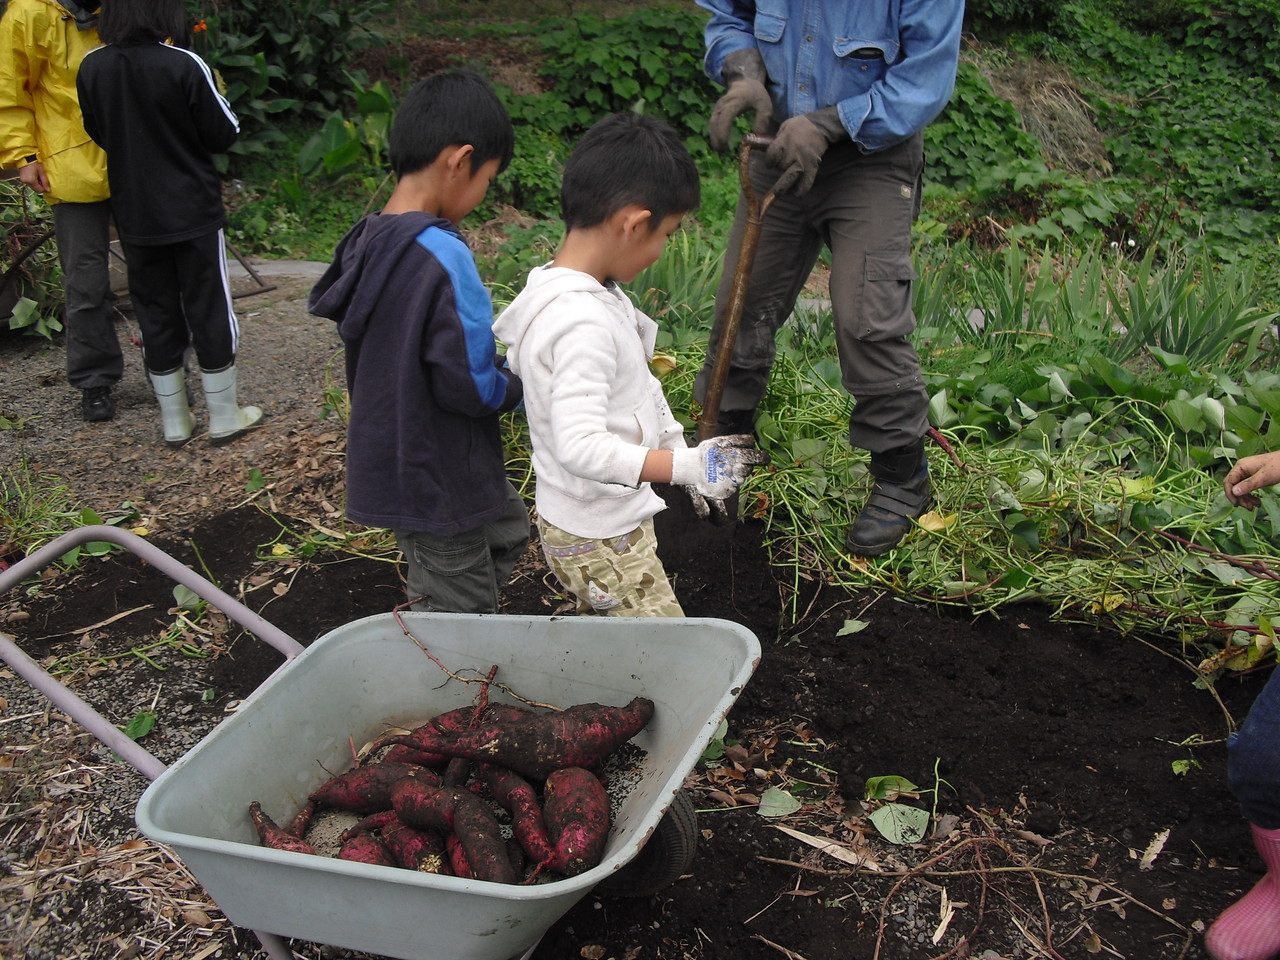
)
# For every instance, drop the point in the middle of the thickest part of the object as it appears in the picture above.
(726, 332)
(274, 946)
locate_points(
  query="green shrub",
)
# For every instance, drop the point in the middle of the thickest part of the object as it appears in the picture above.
(1011, 13)
(651, 57)
(1249, 30)
(976, 132)
(280, 60)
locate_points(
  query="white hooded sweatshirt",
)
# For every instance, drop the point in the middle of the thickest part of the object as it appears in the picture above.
(594, 409)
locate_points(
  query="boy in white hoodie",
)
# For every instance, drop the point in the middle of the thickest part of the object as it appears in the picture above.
(600, 428)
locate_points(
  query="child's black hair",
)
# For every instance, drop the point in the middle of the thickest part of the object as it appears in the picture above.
(143, 21)
(628, 159)
(458, 107)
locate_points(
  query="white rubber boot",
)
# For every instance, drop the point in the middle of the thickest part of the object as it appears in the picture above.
(175, 412)
(227, 419)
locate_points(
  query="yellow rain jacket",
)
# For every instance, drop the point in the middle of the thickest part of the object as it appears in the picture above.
(40, 52)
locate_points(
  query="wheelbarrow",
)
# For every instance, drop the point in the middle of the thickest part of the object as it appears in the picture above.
(348, 685)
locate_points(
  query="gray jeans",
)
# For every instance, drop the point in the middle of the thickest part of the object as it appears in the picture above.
(861, 206)
(464, 572)
(94, 358)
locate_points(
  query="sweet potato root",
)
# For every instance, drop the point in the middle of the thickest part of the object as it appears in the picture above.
(421, 850)
(451, 721)
(367, 848)
(457, 857)
(576, 810)
(273, 836)
(517, 797)
(457, 811)
(366, 789)
(581, 736)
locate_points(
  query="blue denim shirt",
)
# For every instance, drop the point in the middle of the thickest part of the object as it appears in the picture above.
(889, 66)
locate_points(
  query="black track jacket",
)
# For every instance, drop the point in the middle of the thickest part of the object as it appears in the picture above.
(156, 112)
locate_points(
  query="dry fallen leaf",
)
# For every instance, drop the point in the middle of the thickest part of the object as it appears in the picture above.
(592, 951)
(830, 847)
(1153, 850)
(1032, 837)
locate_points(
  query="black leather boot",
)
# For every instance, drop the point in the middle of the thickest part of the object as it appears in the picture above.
(901, 493)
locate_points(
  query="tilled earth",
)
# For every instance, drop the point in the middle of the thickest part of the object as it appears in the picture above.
(1046, 751)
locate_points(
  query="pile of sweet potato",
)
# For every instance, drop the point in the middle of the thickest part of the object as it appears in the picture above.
(428, 803)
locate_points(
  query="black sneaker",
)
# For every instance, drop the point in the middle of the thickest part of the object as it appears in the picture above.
(96, 404)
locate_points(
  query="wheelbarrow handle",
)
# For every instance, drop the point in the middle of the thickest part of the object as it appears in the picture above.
(35, 562)
(80, 711)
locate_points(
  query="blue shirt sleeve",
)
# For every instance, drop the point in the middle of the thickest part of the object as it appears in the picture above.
(888, 66)
(465, 334)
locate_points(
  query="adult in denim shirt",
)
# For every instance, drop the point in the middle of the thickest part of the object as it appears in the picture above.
(845, 89)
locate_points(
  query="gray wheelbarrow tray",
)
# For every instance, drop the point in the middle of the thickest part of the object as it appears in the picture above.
(348, 685)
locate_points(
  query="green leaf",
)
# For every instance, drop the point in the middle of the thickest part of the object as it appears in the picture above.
(887, 788)
(142, 723)
(255, 482)
(185, 598)
(776, 802)
(715, 749)
(899, 823)
(851, 626)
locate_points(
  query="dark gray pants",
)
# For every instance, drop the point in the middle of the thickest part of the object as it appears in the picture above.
(463, 573)
(861, 207)
(82, 230)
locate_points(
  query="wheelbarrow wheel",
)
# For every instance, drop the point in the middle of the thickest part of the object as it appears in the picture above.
(664, 859)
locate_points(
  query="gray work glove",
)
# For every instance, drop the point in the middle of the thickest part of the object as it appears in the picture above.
(715, 468)
(798, 147)
(744, 75)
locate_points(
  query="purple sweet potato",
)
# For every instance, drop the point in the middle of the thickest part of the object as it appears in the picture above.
(518, 798)
(457, 811)
(273, 836)
(457, 857)
(366, 789)
(451, 721)
(303, 819)
(421, 850)
(456, 772)
(581, 736)
(367, 848)
(576, 810)
(374, 821)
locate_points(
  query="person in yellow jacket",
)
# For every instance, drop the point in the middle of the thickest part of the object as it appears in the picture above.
(43, 137)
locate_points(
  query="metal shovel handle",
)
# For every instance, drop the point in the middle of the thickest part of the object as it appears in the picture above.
(725, 332)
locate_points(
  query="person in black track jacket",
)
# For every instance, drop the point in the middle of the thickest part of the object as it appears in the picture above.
(154, 108)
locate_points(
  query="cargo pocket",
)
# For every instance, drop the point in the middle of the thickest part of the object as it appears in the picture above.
(450, 557)
(884, 309)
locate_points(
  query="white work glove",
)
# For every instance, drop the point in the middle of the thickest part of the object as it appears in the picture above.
(798, 147)
(744, 75)
(714, 469)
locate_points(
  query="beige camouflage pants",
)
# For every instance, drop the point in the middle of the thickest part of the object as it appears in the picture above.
(620, 577)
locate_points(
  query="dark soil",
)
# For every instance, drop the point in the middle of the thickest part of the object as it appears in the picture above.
(1060, 731)
(1051, 744)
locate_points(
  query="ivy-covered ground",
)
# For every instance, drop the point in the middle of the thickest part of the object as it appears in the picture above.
(1062, 827)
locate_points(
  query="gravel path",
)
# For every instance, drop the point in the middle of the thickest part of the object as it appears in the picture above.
(287, 360)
